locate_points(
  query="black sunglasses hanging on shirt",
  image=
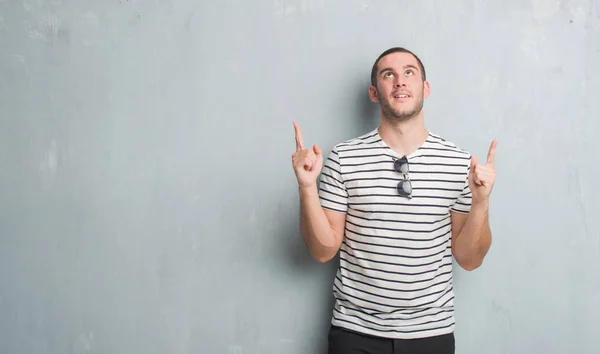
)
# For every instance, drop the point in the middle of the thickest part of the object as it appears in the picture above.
(404, 187)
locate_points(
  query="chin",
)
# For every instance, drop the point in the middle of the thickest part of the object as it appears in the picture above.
(400, 111)
(403, 115)
(401, 118)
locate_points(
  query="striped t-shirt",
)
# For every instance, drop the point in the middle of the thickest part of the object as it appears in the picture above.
(395, 274)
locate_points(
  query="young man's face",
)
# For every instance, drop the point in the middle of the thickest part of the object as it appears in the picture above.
(400, 87)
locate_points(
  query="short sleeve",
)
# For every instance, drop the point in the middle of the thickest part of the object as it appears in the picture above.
(463, 203)
(332, 191)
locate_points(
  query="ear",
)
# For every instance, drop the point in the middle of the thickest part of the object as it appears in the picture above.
(373, 94)
(426, 89)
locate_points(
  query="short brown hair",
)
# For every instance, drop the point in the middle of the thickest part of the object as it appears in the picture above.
(390, 51)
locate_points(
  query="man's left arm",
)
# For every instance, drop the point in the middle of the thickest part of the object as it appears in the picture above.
(471, 234)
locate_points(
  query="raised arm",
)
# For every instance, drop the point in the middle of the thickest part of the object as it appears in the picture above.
(471, 234)
(322, 229)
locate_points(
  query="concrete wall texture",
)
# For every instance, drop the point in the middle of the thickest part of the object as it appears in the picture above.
(148, 203)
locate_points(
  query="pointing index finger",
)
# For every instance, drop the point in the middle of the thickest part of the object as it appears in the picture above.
(299, 140)
(492, 153)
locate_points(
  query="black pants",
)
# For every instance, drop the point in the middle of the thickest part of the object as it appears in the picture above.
(343, 341)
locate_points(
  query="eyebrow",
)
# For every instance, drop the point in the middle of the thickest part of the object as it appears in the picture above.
(405, 67)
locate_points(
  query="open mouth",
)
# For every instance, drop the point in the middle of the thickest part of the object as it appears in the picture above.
(401, 95)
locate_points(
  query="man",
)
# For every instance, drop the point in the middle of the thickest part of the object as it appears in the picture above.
(397, 203)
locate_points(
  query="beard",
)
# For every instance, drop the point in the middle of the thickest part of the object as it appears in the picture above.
(401, 115)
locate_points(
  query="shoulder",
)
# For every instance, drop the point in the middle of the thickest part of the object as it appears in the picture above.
(356, 144)
(449, 147)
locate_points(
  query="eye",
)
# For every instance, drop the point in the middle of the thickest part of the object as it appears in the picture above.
(409, 72)
(388, 74)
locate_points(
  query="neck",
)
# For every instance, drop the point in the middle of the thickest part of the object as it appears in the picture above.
(404, 137)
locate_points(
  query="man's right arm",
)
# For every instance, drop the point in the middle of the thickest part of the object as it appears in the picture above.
(322, 229)
(322, 213)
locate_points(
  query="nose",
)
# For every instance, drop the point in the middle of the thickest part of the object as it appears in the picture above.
(399, 83)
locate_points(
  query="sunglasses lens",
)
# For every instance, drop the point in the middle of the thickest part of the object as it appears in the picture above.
(401, 166)
(404, 188)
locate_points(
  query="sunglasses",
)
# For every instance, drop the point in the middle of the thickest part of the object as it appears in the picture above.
(404, 187)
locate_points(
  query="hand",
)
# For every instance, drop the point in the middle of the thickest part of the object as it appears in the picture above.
(482, 177)
(307, 163)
